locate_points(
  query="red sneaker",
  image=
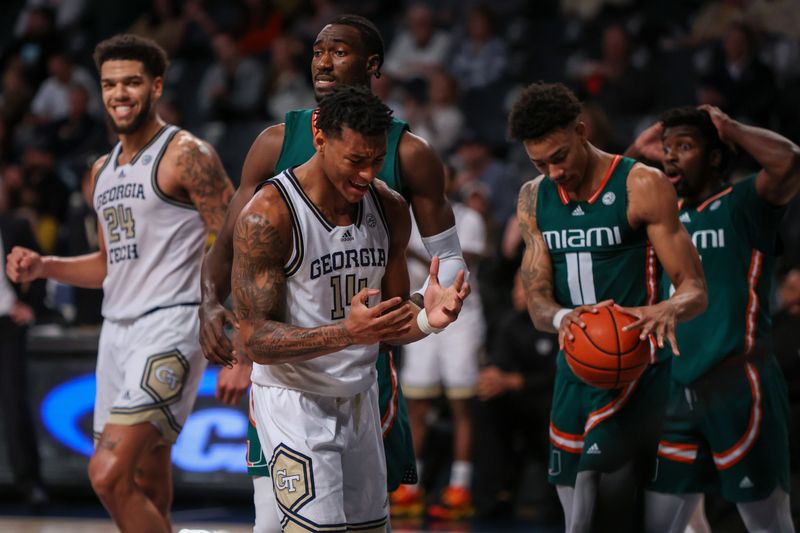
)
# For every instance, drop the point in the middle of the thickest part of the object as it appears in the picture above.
(406, 502)
(456, 504)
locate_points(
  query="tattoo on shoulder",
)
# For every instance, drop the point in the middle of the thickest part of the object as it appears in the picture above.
(258, 280)
(202, 175)
(526, 206)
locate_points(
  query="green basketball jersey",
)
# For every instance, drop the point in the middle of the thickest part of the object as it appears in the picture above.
(298, 147)
(735, 232)
(596, 254)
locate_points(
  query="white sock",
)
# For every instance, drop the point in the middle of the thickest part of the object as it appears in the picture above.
(461, 474)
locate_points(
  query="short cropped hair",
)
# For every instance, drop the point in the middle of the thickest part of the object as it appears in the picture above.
(355, 108)
(541, 109)
(701, 121)
(132, 47)
(369, 33)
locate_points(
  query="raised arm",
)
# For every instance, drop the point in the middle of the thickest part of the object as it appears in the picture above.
(423, 175)
(216, 273)
(779, 180)
(86, 271)
(654, 204)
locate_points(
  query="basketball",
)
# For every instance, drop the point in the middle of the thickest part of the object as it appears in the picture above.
(603, 355)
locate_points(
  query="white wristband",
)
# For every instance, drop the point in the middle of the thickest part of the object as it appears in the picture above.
(559, 316)
(424, 326)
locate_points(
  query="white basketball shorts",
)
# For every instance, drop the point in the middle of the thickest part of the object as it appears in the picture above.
(148, 370)
(326, 459)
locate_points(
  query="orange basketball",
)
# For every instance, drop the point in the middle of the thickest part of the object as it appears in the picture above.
(604, 356)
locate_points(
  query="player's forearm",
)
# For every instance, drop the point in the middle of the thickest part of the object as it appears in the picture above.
(689, 300)
(85, 271)
(414, 334)
(271, 342)
(779, 156)
(542, 310)
(215, 279)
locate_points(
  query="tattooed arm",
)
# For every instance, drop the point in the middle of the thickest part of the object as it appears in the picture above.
(261, 246)
(536, 269)
(199, 178)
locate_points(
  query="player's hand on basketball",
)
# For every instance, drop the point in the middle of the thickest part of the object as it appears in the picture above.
(232, 382)
(443, 304)
(23, 265)
(216, 345)
(574, 317)
(648, 143)
(369, 325)
(658, 320)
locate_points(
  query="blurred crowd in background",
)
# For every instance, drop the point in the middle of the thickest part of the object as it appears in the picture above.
(452, 69)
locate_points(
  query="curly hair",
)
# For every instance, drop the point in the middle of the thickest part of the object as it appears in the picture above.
(701, 121)
(132, 47)
(369, 33)
(355, 108)
(541, 109)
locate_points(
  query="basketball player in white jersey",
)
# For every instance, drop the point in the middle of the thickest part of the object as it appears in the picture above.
(157, 195)
(319, 279)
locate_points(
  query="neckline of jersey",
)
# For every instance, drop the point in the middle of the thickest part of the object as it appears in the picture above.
(707, 201)
(564, 196)
(147, 145)
(316, 210)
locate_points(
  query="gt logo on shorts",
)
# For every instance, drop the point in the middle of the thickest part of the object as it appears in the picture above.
(164, 375)
(292, 477)
(284, 481)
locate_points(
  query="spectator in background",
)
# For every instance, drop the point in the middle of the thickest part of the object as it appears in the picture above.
(163, 22)
(287, 82)
(514, 388)
(392, 95)
(52, 100)
(439, 121)
(263, 24)
(480, 59)
(17, 93)
(737, 80)
(18, 306)
(35, 45)
(232, 86)
(419, 49)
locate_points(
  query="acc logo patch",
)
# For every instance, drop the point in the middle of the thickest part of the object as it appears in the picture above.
(715, 205)
(146, 159)
(371, 220)
(292, 477)
(608, 198)
(164, 376)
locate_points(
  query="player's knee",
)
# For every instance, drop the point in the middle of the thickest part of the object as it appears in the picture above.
(108, 478)
(157, 489)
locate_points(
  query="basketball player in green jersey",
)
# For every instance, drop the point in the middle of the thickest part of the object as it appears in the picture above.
(591, 223)
(726, 426)
(348, 51)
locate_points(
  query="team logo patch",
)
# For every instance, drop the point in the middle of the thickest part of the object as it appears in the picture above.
(292, 477)
(608, 198)
(164, 376)
(715, 205)
(146, 159)
(371, 221)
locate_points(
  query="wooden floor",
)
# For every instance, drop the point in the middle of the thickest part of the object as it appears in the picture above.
(26, 524)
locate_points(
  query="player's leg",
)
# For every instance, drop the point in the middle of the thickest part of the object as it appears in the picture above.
(670, 513)
(112, 469)
(153, 475)
(770, 515)
(458, 361)
(747, 427)
(266, 508)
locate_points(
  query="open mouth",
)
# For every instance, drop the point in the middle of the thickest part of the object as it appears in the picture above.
(324, 82)
(673, 175)
(122, 111)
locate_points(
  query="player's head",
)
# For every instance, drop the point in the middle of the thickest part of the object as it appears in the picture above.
(693, 152)
(350, 138)
(348, 51)
(131, 79)
(546, 118)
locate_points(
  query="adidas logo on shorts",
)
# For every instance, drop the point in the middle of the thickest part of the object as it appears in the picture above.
(745, 483)
(594, 449)
(347, 237)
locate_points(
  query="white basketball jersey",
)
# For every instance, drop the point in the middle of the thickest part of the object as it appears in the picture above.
(328, 266)
(154, 244)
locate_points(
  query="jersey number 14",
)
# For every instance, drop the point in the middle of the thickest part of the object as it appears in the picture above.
(343, 299)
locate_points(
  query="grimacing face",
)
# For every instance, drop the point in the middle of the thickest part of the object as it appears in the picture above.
(561, 155)
(129, 93)
(351, 161)
(339, 58)
(688, 163)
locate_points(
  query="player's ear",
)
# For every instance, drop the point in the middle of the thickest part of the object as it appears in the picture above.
(716, 158)
(373, 66)
(580, 128)
(319, 141)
